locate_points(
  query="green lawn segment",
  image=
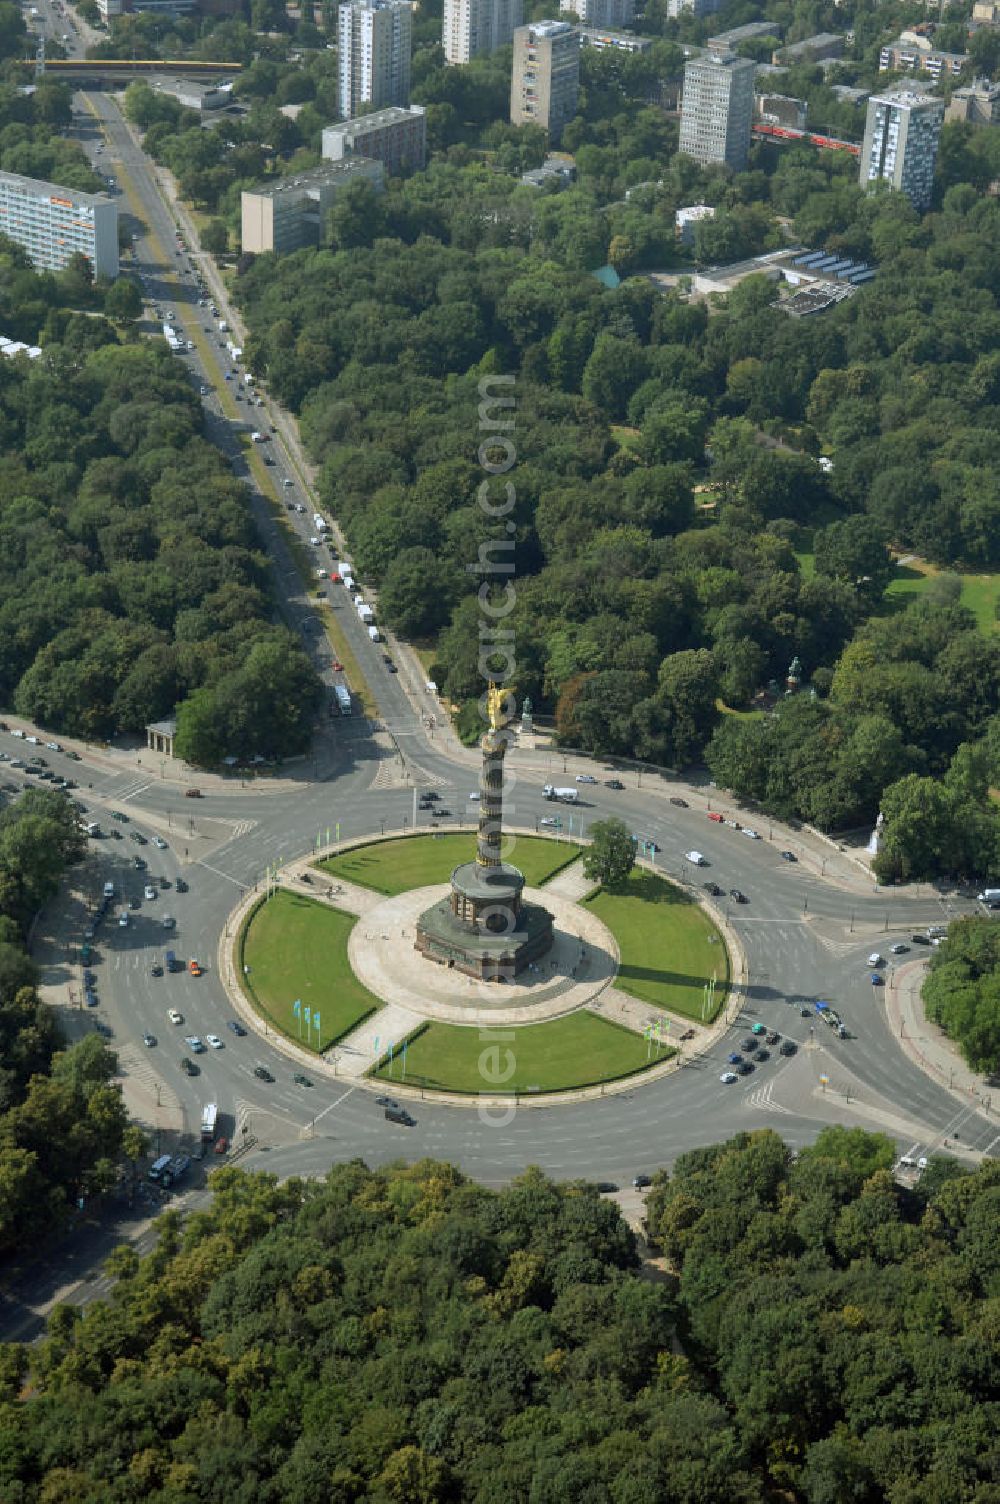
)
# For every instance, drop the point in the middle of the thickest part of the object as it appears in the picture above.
(669, 947)
(418, 861)
(579, 1050)
(297, 949)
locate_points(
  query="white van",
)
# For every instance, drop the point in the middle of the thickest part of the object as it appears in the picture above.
(697, 858)
(875, 959)
(123, 919)
(109, 890)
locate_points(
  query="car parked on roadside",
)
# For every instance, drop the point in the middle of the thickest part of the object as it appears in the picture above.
(789, 856)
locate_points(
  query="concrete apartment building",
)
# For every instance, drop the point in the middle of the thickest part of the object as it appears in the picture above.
(54, 223)
(902, 132)
(545, 77)
(696, 8)
(717, 109)
(601, 13)
(825, 44)
(374, 43)
(470, 27)
(728, 41)
(977, 104)
(396, 137)
(780, 109)
(289, 214)
(613, 41)
(912, 53)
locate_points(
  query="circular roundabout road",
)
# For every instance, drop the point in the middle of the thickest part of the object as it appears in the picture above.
(804, 936)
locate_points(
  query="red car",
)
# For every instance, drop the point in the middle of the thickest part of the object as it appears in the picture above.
(712, 815)
(221, 1145)
(337, 666)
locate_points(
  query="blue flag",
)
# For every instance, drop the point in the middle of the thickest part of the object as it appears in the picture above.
(307, 1018)
(297, 1008)
(316, 1022)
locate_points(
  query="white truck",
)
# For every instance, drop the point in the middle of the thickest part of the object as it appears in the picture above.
(989, 895)
(697, 858)
(366, 613)
(209, 1114)
(374, 634)
(565, 796)
(320, 523)
(343, 697)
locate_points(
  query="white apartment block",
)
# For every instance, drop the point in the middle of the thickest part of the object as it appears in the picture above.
(290, 213)
(717, 109)
(374, 43)
(396, 137)
(601, 13)
(54, 223)
(470, 27)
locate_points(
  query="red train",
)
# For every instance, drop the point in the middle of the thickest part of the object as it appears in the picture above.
(788, 133)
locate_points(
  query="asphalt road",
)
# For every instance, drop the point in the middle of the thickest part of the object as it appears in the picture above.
(804, 937)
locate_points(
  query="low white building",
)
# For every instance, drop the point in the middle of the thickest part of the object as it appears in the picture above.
(686, 219)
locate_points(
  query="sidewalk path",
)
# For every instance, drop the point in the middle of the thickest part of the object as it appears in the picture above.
(360, 1050)
(925, 1043)
(572, 882)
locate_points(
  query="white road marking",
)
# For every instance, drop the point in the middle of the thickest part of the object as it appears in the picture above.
(342, 1098)
(234, 880)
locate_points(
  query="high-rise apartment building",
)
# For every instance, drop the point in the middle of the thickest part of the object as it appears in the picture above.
(902, 133)
(373, 40)
(545, 78)
(473, 26)
(395, 137)
(53, 224)
(717, 109)
(601, 13)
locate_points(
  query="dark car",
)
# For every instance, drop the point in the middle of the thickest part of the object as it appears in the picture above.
(680, 803)
(921, 939)
(138, 837)
(805, 1012)
(714, 889)
(386, 1102)
(441, 814)
(745, 1067)
(262, 1073)
(749, 1043)
(237, 1028)
(739, 896)
(120, 816)
(762, 1055)
(188, 1066)
(399, 1115)
(432, 796)
(156, 970)
(640, 1182)
(115, 835)
(181, 885)
(606, 1187)
(613, 783)
(787, 1047)
(301, 1080)
(789, 856)
(392, 667)
(773, 1036)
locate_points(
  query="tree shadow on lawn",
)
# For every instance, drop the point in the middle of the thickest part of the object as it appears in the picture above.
(669, 978)
(649, 887)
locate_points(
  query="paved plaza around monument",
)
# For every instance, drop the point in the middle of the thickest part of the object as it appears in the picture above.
(580, 966)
